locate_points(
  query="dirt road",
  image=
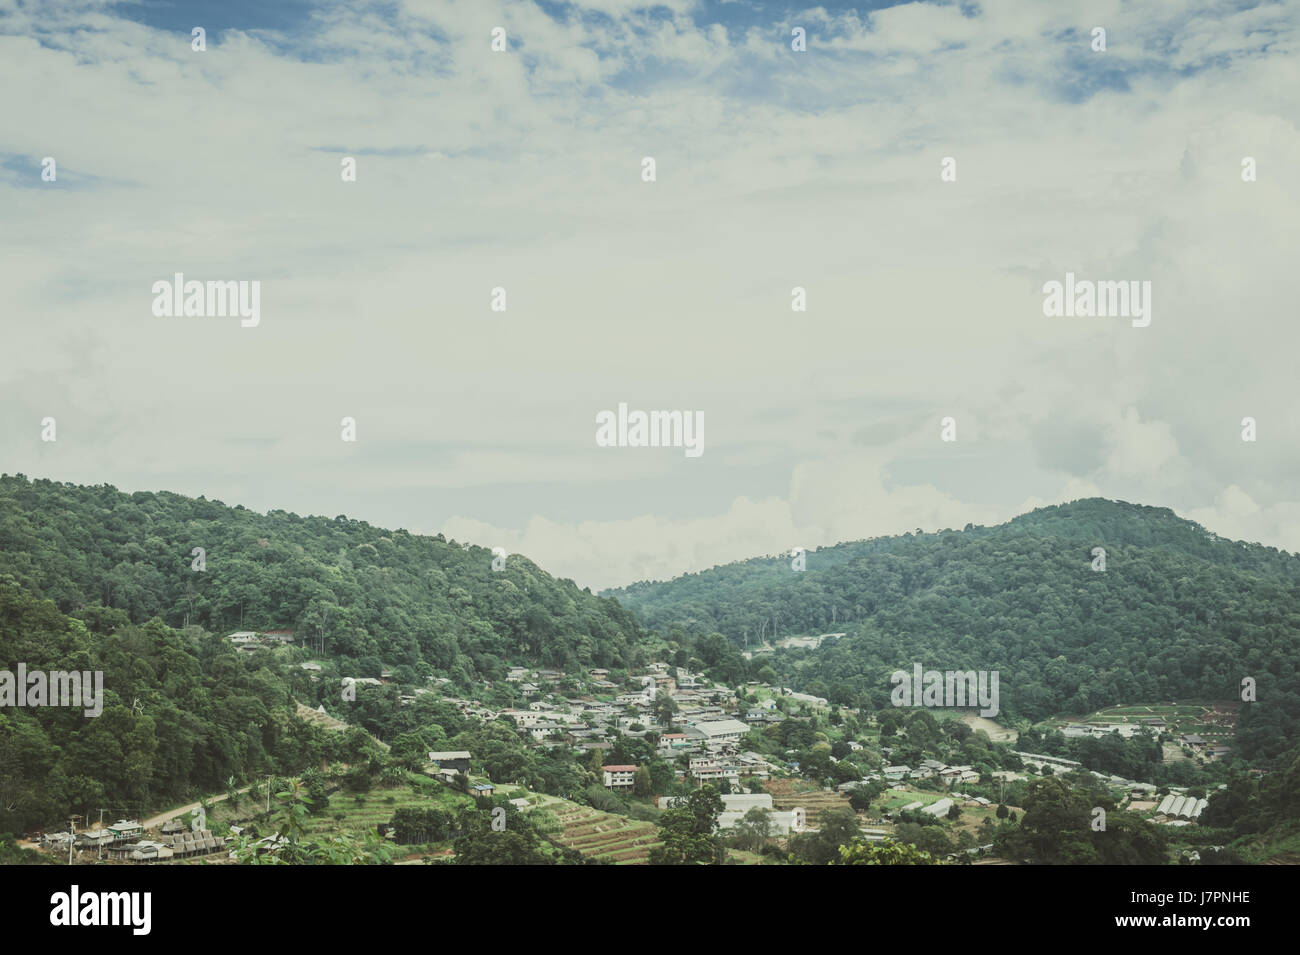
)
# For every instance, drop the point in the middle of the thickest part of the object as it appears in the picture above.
(158, 820)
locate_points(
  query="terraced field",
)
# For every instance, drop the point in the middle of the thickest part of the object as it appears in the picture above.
(374, 808)
(602, 835)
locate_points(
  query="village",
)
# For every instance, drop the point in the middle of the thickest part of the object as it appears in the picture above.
(705, 733)
(127, 840)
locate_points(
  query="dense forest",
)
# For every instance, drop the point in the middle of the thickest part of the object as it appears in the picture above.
(184, 713)
(181, 714)
(348, 588)
(92, 579)
(1178, 613)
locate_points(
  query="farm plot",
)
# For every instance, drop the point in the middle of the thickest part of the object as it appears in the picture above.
(364, 814)
(603, 835)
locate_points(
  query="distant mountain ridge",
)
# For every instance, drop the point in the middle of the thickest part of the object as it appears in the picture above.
(1093, 521)
(1179, 612)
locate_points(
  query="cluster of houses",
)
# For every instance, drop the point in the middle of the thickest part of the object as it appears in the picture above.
(125, 841)
(122, 831)
(705, 715)
(928, 769)
(898, 777)
(708, 723)
(250, 640)
(1200, 745)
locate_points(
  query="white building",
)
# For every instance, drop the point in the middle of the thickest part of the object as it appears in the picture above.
(783, 822)
(708, 769)
(544, 730)
(523, 718)
(736, 805)
(730, 731)
(938, 808)
(619, 778)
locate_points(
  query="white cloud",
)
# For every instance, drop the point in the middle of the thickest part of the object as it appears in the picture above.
(1235, 515)
(1141, 449)
(775, 170)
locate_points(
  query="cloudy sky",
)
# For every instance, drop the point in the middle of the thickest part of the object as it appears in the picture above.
(774, 169)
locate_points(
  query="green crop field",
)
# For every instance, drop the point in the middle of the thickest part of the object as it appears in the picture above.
(364, 812)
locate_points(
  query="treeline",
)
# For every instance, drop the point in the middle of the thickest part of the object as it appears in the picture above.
(1060, 827)
(345, 587)
(1137, 757)
(763, 598)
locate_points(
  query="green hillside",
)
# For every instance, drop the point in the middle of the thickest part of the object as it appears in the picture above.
(350, 589)
(1179, 613)
(92, 579)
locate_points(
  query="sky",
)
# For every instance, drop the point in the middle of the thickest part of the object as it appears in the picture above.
(774, 169)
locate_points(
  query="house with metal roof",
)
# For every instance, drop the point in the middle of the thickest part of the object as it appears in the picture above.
(452, 759)
(938, 808)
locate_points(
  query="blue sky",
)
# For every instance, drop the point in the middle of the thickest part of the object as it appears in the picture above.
(775, 170)
(291, 16)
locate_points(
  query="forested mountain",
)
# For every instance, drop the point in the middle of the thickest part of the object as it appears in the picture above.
(84, 572)
(1178, 613)
(351, 589)
(92, 579)
(760, 598)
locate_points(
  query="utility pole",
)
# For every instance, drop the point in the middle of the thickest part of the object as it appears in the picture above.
(72, 832)
(268, 795)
